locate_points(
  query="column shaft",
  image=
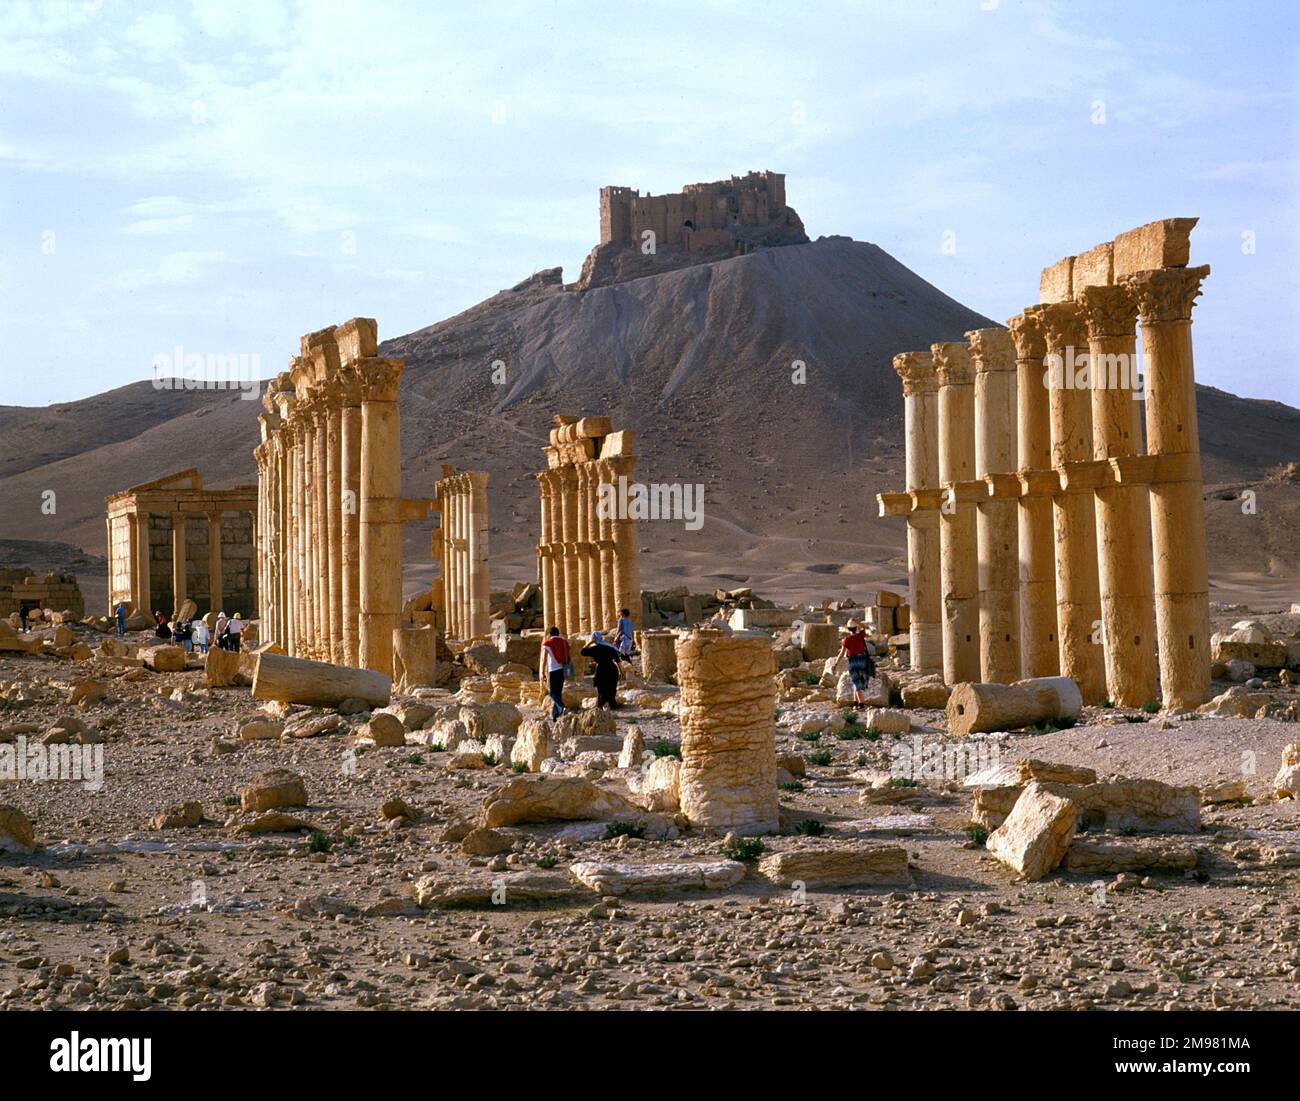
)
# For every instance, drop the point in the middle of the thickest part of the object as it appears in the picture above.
(179, 595)
(381, 523)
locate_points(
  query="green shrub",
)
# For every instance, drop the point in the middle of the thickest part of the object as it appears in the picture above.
(977, 833)
(624, 829)
(822, 757)
(744, 848)
(490, 759)
(810, 827)
(416, 758)
(791, 785)
(547, 861)
(519, 766)
(318, 842)
(662, 747)
(1151, 706)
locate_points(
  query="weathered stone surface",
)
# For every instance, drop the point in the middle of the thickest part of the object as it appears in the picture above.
(619, 879)
(16, 833)
(589, 723)
(274, 822)
(534, 744)
(1222, 791)
(1238, 702)
(1046, 772)
(178, 816)
(855, 865)
(1141, 804)
(1287, 782)
(312, 726)
(258, 730)
(277, 788)
(383, 729)
(164, 659)
(88, 692)
(396, 807)
(552, 799)
(486, 842)
(445, 890)
(1163, 244)
(221, 668)
(633, 748)
(888, 720)
(493, 717)
(1112, 855)
(728, 772)
(1036, 834)
(657, 788)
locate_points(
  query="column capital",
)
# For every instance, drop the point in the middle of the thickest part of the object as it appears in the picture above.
(1165, 294)
(568, 477)
(1026, 330)
(379, 378)
(1063, 326)
(916, 369)
(992, 349)
(1107, 311)
(952, 363)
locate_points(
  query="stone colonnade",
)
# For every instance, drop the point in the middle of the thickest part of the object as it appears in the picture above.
(587, 555)
(1042, 451)
(461, 545)
(331, 515)
(232, 518)
(728, 771)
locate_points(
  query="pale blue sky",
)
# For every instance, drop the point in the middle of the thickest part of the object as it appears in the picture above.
(226, 176)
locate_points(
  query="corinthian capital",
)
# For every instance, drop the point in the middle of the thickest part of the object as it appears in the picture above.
(1027, 334)
(1062, 326)
(1107, 311)
(379, 378)
(952, 363)
(1165, 294)
(916, 369)
(992, 350)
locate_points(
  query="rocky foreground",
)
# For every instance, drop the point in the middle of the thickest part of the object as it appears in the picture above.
(453, 850)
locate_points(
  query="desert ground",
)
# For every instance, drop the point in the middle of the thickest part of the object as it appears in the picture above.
(375, 886)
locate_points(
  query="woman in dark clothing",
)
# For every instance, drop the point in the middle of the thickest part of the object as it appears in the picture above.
(605, 678)
(161, 629)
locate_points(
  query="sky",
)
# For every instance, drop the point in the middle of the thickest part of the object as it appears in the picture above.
(220, 177)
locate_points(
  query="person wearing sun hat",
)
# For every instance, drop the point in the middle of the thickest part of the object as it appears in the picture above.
(853, 645)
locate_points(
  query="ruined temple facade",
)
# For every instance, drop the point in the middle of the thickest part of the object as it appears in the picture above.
(644, 234)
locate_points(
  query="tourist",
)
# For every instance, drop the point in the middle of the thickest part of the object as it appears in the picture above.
(557, 667)
(233, 630)
(606, 675)
(121, 619)
(178, 636)
(220, 630)
(202, 635)
(625, 637)
(861, 668)
(22, 616)
(161, 629)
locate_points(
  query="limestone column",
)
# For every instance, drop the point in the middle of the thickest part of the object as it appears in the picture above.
(214, 560)
(959, 568)
(1039, 649)
(1123, 513)
(179, 595)
(480, 599)
(462, 507)
(586, 618)
(544, 557)
(605, 547)
(1078, 593)
(320, 528)
(334, 516)
(381, 521)
(302, 508)
(600, 616)
(921, 418)
(1164, 301)
(627, 566)
(569, 521)
(997, 535)
(350, 512)
(140, 547)
(728, 713)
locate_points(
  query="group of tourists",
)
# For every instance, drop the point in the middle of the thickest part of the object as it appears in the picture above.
(607, 661)
(191, 634)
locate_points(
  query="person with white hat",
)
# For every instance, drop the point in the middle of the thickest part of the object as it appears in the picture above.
(855, 647)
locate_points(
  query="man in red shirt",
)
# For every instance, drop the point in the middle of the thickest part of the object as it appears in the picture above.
(556, 659)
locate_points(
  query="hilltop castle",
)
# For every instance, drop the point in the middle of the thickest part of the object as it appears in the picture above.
(644, 234)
